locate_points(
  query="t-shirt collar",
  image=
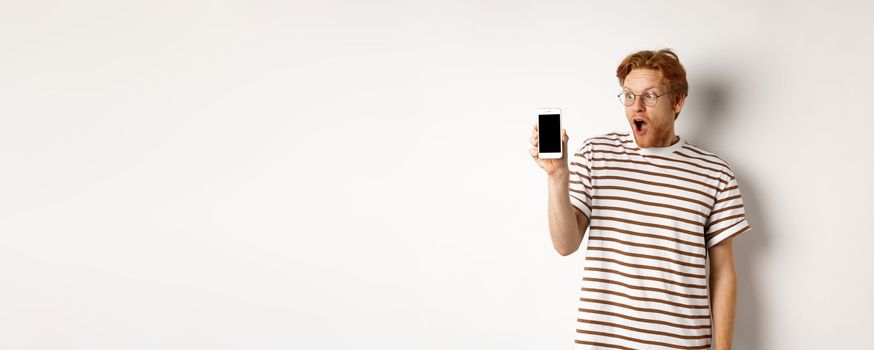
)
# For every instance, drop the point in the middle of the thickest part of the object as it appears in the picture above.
(662, 151)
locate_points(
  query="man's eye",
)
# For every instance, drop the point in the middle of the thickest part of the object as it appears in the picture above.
(629, 96)
(649, 95)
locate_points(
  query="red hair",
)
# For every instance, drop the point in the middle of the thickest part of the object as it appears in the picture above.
(664, 61)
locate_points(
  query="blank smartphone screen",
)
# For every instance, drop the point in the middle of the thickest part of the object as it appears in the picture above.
(549, 133)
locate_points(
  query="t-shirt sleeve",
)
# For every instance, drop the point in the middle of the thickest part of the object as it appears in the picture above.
(727, 218)
(580, 180)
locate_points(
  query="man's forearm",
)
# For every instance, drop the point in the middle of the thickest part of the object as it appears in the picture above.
(562, 221)
(723, 293)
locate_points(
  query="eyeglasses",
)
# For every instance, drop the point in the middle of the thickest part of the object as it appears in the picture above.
(649, 98)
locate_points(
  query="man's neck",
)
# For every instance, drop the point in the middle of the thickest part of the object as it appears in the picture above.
(674, 141)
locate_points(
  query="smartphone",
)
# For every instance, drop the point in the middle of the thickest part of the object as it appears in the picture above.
(549, 133)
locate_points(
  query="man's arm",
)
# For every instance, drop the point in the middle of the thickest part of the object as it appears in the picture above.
(723, 293)
(566, 224)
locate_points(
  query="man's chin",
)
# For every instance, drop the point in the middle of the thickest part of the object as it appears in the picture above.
(642, 141)
(641, 135)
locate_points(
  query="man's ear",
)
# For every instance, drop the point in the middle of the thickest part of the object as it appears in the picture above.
(679, 104)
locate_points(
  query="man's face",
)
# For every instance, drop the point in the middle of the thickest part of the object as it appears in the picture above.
(655, 124)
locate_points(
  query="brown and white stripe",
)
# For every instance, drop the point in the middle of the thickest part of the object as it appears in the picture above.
(653, 213)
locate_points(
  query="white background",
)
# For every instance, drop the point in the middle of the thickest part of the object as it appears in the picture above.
(355, 175)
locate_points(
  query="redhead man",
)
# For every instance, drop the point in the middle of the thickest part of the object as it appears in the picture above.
(657, 208)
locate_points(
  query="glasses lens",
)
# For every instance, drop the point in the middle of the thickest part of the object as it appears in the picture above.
(650, 98)
(627, 98)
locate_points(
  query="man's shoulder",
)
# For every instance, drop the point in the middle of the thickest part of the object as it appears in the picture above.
(612, 138)
(693, 151)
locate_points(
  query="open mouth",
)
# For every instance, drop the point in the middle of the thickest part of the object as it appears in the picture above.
(639, 126)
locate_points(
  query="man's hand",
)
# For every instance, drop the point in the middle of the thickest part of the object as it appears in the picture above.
(552, 166)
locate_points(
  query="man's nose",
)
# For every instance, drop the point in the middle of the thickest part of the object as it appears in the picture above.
(638, 104)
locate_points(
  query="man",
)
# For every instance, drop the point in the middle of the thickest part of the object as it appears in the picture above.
(657, 207)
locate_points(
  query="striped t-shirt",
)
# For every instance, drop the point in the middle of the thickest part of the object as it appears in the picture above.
(653, 212)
